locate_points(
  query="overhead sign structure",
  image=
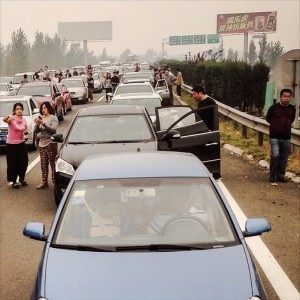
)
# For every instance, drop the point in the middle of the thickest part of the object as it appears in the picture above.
(193, 39)
(247, 22)
(213, 38)
(175, 40)
(200, 39)
(187, 40)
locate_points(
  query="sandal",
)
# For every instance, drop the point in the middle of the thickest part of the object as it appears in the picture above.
(15, 186)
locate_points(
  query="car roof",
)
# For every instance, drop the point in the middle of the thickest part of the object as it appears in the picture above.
(141, 164)
(137, 96)
(72, 78)
(15, 98)
(111, 109)
(37, 83)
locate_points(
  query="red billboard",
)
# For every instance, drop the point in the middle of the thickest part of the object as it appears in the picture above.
(247, 22)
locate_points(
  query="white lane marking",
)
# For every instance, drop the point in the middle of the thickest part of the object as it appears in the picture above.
(33, 164)
(279, 280)
(100, 99)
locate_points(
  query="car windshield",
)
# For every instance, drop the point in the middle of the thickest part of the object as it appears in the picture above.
(149, 104)
(144, 212)
(34, 91)
(72, 83)
(110, 128)
(133, 88)
(6, 108)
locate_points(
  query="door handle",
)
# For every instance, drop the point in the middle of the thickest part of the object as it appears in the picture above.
(211, 144)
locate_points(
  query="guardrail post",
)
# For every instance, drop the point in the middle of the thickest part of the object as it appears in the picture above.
(260, 138)
(245, 132)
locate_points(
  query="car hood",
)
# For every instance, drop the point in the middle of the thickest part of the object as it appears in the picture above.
(210, 274)
(74, 154)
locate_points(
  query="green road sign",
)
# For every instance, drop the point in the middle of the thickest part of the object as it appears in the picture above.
(200, 39)
(175, 40)
(187, 40)
(213, 38)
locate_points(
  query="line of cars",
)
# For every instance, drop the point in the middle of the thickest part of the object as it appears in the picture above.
(139, 210)
(32, 95)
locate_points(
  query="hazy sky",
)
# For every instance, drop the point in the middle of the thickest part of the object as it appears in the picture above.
(142, 25)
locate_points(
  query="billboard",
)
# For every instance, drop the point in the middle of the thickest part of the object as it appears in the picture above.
(90, 31)
(247, 22)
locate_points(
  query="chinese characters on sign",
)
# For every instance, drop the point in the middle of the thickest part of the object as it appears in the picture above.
(247, 22)
(193, 39)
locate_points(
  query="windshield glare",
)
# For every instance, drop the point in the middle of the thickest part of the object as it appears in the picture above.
(34, 91)
(144, 211)
(7, 108)
(108, 128)
(128, 88)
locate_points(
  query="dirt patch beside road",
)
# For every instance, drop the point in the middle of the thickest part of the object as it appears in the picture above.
(249, 184)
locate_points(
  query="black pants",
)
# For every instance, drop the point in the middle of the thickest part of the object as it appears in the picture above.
(178, 89)
(108, 90)
(17, 161)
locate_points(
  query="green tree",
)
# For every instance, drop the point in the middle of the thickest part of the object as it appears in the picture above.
(273, 52)
(2, 60)
(252, 55)
(17, 53)
(124, 55)
(230, 54)
(262, 48)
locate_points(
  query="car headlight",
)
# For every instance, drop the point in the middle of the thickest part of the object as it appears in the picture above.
(64, 167)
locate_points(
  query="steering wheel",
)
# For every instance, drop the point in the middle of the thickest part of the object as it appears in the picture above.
(185, 226)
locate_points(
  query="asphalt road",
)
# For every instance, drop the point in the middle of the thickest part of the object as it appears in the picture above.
(19, 256)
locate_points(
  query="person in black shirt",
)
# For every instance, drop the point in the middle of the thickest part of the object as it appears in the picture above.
(208, 114)
(90, 82)
(115, 80)
(280, 116)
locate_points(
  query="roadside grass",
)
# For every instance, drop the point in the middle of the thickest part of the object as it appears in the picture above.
(231, 134)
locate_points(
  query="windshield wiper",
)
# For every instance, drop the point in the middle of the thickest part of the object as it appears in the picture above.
(85, 248)
(161, 247)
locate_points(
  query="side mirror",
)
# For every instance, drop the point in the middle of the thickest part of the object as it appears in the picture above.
(256, 226)
(35, 231)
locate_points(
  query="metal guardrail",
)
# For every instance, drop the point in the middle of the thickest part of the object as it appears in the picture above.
(258, 124)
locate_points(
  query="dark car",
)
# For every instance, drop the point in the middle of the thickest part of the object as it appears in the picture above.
(44, 91)
(101, 129)
(141, 226)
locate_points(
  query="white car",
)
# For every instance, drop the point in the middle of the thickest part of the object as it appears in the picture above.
(148, 100)
(139, 87)
(77, 88)
(31, 111)
(19, 77)
(6, 89)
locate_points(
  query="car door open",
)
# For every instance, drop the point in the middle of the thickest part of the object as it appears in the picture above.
(195, 137)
